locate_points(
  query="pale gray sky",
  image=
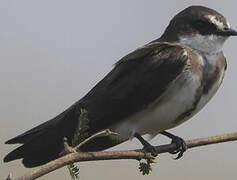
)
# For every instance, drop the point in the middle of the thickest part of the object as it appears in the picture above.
(52, 52)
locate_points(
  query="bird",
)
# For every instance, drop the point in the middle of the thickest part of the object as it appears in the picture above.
(154, 88)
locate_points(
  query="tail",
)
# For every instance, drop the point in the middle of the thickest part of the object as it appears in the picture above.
(44, 142)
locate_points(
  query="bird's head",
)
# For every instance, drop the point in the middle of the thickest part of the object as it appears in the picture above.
(200, 28)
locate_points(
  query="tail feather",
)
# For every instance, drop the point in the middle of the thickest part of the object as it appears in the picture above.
(23, 138)
(44, 142)
(15, 154)
(42, 148)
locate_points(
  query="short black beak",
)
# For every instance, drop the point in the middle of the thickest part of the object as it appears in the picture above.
(227, 32)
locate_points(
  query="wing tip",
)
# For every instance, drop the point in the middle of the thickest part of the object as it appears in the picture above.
(15, 154)
(13, 140)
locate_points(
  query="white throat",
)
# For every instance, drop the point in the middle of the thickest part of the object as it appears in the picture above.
(208, 45)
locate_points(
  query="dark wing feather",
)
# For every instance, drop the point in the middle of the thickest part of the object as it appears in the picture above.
(136, 81)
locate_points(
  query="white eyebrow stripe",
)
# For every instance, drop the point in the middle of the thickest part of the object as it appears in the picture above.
(219, 24)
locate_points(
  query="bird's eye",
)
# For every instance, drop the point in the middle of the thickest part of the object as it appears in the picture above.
(200, 24)
(226, 28)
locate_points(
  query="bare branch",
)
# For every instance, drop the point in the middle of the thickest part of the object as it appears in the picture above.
(109, 155)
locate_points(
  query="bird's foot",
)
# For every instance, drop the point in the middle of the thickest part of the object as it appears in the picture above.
(150, 149)
(179, 142)
(181, 146)
(147, 147)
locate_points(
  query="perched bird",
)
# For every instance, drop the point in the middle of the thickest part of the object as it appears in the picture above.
(152, 89)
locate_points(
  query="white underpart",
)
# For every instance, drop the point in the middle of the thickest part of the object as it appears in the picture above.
(208, 46)
(161, 114)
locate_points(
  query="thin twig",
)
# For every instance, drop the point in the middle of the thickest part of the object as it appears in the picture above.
(105, 132)
(68, 149)
(109, 155)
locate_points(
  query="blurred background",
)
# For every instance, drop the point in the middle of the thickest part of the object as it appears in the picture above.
(52, 52)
